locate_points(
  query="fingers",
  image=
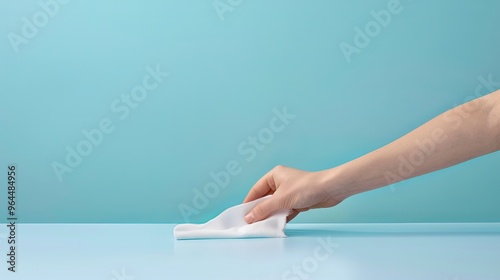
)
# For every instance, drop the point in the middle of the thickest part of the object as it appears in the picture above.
(262, 210)
(263, 187)
(266, 208)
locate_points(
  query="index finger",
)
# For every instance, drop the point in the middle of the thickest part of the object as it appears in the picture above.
(263, 187)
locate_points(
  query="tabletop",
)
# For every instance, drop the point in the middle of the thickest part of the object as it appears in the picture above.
(310, 251)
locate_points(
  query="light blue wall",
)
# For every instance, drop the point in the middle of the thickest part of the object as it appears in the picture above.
(227, 74)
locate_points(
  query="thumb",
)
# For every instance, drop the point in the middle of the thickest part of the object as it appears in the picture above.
(262, 210)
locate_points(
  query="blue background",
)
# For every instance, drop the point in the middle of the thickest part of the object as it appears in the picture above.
(226, 75)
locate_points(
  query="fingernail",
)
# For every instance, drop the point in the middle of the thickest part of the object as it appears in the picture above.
(249, 218)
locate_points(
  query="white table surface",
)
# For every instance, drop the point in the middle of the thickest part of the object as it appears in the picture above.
(352, 251)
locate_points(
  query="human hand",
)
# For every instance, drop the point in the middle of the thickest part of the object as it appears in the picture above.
(291, 189)
(446, 144)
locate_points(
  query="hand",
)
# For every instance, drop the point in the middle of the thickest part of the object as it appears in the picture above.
(291, 189)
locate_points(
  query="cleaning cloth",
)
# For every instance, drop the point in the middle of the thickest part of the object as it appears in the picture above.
(230, 224)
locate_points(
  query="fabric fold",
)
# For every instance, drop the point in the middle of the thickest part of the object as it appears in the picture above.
(230, 224)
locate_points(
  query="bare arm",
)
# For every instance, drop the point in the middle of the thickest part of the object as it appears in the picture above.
(463, 133)
(460, 134)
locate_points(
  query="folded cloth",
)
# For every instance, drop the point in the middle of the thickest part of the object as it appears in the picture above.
(230, 224)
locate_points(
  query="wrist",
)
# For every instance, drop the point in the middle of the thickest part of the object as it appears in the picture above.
(336, 183)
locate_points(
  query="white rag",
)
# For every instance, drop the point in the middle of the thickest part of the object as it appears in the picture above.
(230, 224)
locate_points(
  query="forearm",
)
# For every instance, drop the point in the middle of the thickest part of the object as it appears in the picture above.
(463, 133)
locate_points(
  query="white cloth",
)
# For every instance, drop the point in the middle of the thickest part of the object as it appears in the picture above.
(230, 224)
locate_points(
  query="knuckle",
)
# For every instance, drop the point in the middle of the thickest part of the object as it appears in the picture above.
(278, 168)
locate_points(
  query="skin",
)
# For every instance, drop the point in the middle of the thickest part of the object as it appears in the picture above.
(460, 134)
